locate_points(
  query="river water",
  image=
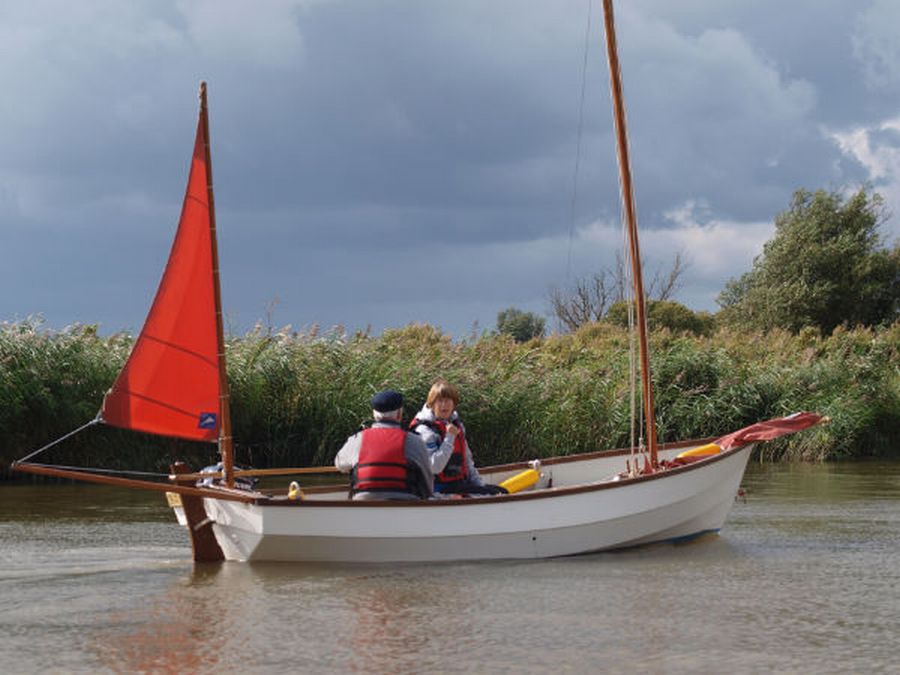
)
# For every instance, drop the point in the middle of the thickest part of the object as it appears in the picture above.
(803, 578)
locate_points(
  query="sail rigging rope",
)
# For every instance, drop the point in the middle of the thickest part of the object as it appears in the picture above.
(119, 472)
(584, 65)
(98, 419)
(49, 445)
(636, 416)
(637, 409)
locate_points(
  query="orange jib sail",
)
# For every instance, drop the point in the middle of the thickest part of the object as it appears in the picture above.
(170, 383)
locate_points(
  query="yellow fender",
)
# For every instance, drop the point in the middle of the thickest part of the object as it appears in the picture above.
(707, 450)
(521, 481)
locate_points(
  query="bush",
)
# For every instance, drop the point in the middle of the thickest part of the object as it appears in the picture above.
(666, 314)
(521, 326)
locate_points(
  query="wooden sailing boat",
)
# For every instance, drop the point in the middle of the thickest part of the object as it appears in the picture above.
(174, 384)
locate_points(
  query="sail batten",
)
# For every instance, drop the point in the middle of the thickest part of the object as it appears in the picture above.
(171, 383)
(159, 403)
(182, 349)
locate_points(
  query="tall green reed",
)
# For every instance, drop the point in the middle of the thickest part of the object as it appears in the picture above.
(296, 396)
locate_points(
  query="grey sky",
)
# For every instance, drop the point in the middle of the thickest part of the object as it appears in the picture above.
(380, 163)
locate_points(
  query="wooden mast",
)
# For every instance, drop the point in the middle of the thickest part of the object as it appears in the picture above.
(226, 448)
(615, 79)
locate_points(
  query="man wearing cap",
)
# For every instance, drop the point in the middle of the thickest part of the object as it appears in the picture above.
(386, 461)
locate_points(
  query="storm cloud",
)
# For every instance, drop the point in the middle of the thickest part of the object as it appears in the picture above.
(378, 164)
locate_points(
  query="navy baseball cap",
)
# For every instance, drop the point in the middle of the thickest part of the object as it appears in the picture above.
(387, 401)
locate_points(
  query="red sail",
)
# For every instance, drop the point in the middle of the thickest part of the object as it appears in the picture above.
(170, 384)
(774, 428)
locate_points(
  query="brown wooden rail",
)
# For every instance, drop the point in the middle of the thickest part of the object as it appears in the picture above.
(287, 471)
(40, 469)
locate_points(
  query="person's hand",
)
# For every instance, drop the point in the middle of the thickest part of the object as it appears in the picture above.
(452, 430)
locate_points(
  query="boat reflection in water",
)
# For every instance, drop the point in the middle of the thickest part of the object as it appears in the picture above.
(183, 630)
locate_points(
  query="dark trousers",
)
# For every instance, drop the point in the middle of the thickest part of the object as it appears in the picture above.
(468, 488)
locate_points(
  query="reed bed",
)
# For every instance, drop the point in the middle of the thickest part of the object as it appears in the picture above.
(296, 396)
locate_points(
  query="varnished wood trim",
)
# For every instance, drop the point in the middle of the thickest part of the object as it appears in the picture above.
(87, 477)
(547, 493)
(498, 468)
(598, 454)
(203, 541)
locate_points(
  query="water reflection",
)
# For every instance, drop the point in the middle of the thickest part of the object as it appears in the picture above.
(803, 578)
(173, 632)
(838, 482)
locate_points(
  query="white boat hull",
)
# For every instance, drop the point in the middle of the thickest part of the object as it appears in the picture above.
(593, 514)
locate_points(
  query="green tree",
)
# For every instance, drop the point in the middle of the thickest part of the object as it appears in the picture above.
(666, 314)
(825, 266)
(522, 326)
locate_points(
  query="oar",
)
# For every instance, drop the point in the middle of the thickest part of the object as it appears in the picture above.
(287, 471)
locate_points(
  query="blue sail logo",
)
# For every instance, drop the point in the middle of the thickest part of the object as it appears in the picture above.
(207, 420)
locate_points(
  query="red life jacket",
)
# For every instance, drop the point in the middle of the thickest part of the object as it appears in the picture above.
(382, 465)
(456, 468)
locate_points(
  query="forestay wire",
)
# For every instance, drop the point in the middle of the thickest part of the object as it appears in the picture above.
(49, 445)
(59, 440)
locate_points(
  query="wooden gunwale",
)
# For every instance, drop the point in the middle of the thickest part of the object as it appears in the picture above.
(546, 493)
(563, 459)
(497, 468)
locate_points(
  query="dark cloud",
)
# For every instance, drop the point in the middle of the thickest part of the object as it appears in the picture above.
(364, 151)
